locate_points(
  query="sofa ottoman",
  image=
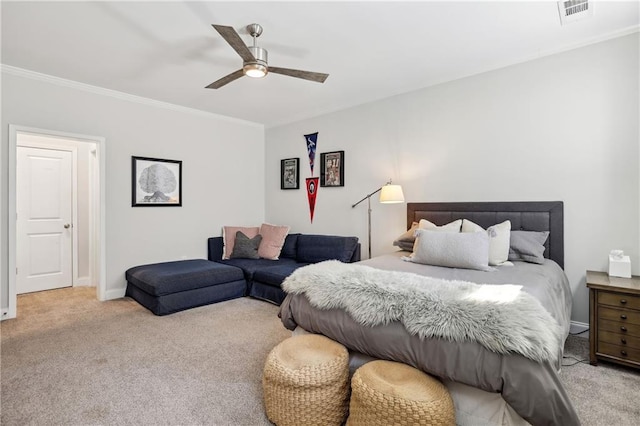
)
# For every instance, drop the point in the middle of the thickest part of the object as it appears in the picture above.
(169, 287)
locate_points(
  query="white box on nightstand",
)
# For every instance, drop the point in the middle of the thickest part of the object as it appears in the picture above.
(620, 267)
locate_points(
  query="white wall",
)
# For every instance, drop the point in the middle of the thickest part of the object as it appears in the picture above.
(220, 158)
(563, 127)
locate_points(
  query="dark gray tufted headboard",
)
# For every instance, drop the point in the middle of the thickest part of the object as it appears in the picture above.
(524, 215)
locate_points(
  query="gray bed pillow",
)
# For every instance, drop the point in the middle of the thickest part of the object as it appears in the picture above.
(452, 249)
(245, 247)
(406, 240)
(404, 245)
(528, 246)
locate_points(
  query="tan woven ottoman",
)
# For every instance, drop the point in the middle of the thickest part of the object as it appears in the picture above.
(306, 382)
(388, 393)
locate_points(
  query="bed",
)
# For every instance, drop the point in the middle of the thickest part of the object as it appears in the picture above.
(489, 386)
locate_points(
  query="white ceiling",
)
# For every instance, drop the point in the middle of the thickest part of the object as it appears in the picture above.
(168, 51)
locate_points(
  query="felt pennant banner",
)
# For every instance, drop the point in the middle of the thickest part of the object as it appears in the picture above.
(312, 190)
(312, 140)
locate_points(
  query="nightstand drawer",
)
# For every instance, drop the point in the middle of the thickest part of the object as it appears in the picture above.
(621, 352)
(619, 327)
(622, 315)
(632, 342)
(619, 300)
(614, 319)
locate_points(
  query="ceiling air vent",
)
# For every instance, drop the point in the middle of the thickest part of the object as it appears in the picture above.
(574, 10)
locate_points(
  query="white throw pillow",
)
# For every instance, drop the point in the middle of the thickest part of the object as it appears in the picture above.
(499, 239)
(452, 249)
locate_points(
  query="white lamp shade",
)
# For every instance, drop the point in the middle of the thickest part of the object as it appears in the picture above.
(391, 194)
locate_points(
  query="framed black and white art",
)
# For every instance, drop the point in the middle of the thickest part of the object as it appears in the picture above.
(155, 182)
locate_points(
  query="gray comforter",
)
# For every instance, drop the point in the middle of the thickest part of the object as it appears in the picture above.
(532, 389)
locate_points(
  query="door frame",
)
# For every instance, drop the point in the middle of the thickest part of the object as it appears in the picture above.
(98, 195)
(74, 199)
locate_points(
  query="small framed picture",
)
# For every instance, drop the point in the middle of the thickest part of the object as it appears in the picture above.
(332, 168)
(290, 173)
(155, 182)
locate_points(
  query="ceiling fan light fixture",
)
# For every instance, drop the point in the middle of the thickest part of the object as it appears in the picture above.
(254, 59)
(254, 70)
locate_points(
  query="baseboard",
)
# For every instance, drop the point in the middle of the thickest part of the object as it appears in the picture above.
(116, 293)
(83, 282)
(579, 327)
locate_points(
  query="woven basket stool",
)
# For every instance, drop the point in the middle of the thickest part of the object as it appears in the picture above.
(390, 393)
(306, 382)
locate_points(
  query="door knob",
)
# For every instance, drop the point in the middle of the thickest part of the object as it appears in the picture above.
(67, 226)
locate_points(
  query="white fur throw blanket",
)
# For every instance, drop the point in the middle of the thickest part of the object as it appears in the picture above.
(502, 318)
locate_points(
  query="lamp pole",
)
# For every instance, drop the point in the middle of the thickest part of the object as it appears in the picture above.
(368, 198)
(390, 194)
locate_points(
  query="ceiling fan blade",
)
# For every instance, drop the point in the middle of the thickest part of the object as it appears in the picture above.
(306, 75)
(226, 80)
(234, 40)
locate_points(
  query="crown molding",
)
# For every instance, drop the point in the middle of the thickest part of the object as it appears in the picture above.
(33, 75)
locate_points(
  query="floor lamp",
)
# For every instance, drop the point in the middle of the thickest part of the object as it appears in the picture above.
(389, 194)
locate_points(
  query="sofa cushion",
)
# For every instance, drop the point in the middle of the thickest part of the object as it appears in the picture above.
(215, 247)
(290, 246)
(159, 279)
(318, 248)
(249, 266)
(274, 275)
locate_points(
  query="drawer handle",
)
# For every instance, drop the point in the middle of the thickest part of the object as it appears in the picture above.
(623, 341)
(623, 328)
(623, 316)
(623, 301)
(624, 353)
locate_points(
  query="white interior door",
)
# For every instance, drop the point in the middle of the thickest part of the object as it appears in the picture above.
(44, 191)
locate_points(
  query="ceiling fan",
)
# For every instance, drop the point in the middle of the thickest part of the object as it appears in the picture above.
(255, 59)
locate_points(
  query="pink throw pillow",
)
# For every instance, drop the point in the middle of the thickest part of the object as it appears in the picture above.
(229, 237)
(273, 237)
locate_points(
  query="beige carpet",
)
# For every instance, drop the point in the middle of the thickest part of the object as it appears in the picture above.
(71, 360)
(603, 395)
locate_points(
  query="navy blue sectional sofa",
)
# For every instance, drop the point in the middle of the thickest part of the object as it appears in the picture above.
(168, 287)
(264, 277)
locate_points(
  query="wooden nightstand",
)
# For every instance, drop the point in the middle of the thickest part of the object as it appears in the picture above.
(614, 319)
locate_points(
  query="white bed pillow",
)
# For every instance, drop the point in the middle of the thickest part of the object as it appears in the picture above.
(452, 249)
(499, 239)
(425, 224)
(449, 227)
